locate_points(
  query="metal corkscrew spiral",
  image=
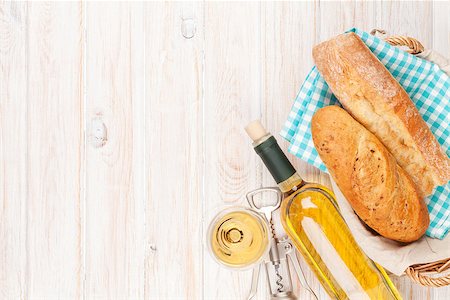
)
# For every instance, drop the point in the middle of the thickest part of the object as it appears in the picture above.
(279, 281)
(272, 228)
(279, 284)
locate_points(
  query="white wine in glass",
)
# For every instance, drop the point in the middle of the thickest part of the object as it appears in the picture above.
(238, 238)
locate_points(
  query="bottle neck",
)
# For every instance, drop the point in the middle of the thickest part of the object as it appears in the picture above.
(291, 184)
(278, 164)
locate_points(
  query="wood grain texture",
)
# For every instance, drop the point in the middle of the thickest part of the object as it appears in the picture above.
(408, 18)
(396, 18)
(121, 133)
(13, 159)
(232, 98)
(441, 43)
(115, 183)
(54, 143)
(174, 100)
(329, 19)
(333, 18)
(441, 25)
(288, 33)
(337, 17)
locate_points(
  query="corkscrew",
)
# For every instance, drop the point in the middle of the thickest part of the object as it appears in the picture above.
(280, 255)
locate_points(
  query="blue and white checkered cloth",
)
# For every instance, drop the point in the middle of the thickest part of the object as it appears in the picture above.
(427, 86)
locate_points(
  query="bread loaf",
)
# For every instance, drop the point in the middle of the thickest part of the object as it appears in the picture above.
(378, 189)
(374, 98)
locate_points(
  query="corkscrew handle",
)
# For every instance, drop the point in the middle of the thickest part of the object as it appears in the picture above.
(276, 267)
(280, 252)
(266, 210)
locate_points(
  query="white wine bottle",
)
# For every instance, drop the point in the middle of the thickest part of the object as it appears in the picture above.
(311, 218)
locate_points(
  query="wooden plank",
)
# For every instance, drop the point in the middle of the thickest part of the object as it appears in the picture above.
(174, 76)
(288, 33)
(413, 19)
(115, 160)
(325, 20)
(402, 18)
(337, 17)
(441, 27)
(232, 99)
(145, 81)
(13, 145)
(441, 43)
(54, 136)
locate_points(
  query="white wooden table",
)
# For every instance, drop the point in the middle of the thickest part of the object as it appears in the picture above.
(121, 129)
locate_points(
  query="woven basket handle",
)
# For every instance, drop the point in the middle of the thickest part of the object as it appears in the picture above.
(415, 47)
(420, 273)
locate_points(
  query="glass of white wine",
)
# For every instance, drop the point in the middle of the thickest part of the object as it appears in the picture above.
(238, 238)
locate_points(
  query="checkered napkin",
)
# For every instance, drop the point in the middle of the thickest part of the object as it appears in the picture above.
(427, 86)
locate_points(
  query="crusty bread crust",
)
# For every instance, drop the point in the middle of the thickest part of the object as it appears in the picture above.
(373, 97)
(378, 189)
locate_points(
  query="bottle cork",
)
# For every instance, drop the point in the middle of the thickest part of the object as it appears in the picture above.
(255, 130)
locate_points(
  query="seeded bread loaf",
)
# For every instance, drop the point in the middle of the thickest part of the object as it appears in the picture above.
(375, 99)
(378, 189)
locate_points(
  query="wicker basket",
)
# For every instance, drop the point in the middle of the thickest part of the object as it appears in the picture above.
(432, 274)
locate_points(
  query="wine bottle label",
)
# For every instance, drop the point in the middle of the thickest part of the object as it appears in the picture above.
(276, 162)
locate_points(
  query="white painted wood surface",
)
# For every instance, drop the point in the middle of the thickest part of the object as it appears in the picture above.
(121, 132)
(115, 172)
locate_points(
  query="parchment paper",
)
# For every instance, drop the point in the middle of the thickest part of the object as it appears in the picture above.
(393, 256)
